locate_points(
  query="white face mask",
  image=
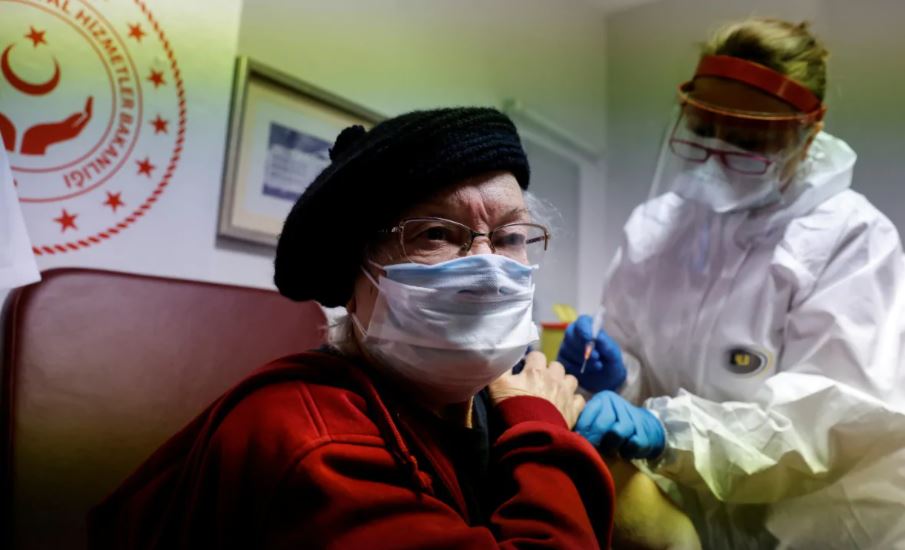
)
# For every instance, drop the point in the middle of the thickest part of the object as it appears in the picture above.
(452, 328)
(724, 190)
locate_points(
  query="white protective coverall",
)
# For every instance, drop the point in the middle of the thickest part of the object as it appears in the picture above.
(769, 343)
(17, 263)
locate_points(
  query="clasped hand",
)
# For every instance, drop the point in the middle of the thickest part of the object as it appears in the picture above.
(614, 425)
(605, 370)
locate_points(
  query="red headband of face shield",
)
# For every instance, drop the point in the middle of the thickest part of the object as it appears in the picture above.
(810, 108)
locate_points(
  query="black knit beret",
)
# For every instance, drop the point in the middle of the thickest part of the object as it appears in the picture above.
(373, 178)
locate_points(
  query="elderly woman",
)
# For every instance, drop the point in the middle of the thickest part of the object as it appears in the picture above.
(385, 439)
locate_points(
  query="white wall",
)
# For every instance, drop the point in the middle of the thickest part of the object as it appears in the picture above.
(866, 91)
(397, 55)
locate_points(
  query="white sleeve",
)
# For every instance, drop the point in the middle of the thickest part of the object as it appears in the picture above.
(837, 401)
(618, 324)
(17, 262)
(809, 434)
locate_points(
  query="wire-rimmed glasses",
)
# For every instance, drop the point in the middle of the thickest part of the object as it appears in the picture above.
(431, 240)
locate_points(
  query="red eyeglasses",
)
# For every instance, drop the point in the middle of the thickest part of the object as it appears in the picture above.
(743, 163)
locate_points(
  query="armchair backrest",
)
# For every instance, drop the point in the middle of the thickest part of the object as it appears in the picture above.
(100, 368)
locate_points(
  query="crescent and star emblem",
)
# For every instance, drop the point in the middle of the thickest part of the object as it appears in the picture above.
(21, 84)
(91, 150)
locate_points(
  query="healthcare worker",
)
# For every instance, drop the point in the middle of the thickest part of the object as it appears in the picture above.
(758, 304)
(17, 263)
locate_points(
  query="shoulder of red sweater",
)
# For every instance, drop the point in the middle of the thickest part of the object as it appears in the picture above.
(302, 399)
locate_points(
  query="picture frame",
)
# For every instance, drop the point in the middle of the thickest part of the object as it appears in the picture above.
(280, 132)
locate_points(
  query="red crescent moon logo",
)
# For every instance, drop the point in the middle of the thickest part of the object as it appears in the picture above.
(28, 87)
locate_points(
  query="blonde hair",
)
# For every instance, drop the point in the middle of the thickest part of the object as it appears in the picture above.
(782, 46)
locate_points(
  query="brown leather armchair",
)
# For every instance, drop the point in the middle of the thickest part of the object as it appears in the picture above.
(99, 368)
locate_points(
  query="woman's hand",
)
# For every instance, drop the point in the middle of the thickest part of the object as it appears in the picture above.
(538, 379)
(613, 425)
(605, 369)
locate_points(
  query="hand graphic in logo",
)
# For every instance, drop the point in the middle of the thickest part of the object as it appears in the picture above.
(40, 136)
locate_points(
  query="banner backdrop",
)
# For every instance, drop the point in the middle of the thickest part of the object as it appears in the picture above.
(113, 114)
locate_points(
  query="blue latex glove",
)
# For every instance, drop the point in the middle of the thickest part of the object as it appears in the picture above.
(614, 425)
(604, 370)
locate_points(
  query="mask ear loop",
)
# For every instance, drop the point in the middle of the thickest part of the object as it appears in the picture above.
(358, 325)
(370, 278)
(368, 274)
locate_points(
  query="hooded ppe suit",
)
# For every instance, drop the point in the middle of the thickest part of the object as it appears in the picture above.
(769, 343)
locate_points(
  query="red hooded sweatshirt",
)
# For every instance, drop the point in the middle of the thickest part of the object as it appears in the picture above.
(311, 451)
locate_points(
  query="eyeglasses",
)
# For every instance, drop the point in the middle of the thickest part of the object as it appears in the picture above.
(744, 163)
(432, 240)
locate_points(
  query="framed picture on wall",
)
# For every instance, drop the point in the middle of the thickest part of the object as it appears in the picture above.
(280, 133)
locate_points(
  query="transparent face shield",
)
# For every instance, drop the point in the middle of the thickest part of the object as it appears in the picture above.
(731, 158)
(727, 164)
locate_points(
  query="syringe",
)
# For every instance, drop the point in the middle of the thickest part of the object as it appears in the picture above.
(596, 325)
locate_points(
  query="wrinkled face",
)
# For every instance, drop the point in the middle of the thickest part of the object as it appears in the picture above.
(482, 203)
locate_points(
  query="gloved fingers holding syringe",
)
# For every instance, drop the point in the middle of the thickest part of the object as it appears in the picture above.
(591, 355)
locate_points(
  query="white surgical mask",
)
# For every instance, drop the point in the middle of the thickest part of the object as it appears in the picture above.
(725, 190)
(452, 328)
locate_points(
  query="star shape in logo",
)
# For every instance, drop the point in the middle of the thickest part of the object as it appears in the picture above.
(136, 32)
(114, 200)
(145, 167)
(156, 78)
(36, 37)
(66, 221)
(160, 125)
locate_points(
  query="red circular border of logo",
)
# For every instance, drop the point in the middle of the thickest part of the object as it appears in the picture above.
(164, 181)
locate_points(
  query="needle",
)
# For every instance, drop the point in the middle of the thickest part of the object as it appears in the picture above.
(596, 325)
